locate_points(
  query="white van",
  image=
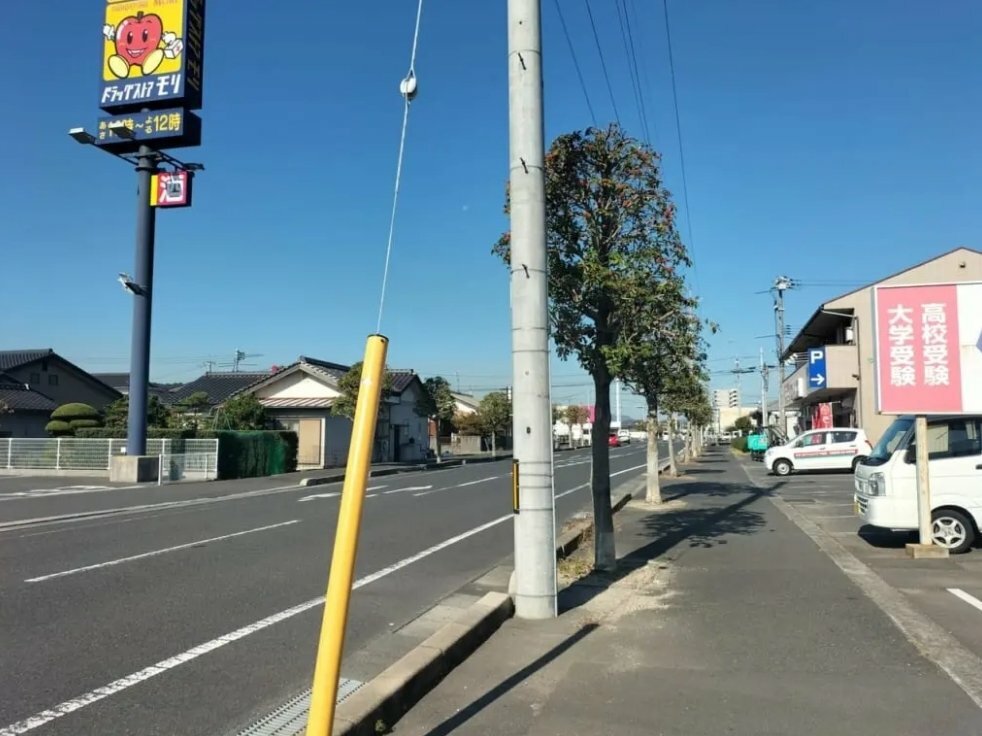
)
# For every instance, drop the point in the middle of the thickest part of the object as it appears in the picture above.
(838, 448)
(886, 481)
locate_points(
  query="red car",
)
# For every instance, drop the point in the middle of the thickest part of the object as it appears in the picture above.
(613, 440)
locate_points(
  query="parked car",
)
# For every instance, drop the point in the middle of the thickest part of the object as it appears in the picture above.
(613, 440)
(886, 480)
(838, 448)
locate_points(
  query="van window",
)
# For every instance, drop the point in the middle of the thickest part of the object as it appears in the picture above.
(890, 441)
(954, 438)
(843, 436)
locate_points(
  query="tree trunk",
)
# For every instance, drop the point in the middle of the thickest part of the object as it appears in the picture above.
(653, 487)
(672, 468)
(604, 554)
(436, 436)
(494, 449)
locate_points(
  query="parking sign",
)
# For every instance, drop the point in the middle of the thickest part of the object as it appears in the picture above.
(817, 376)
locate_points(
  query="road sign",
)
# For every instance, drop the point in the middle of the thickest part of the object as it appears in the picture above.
(174, 128)
(171, 189)
(817, 375)
(928, 348)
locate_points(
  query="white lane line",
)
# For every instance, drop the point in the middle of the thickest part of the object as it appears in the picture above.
(318, 495)
(124, 683)
(969, 599)
(587, 485)
(459, 485)
(407, 490)
(156, 552)
(375, 488)
(88, 515)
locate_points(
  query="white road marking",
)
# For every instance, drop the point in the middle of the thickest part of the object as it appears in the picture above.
(969, 599)
(156, 552)
(87, 515)
(587, 485)
(459, 485)
(406, 490)
(375, 488)
(124, 683)
(318, 495)
(60, 491)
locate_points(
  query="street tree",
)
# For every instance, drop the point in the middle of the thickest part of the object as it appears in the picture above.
(438, 405)
(610, 235)
(743, 424)
(494, 415)
(349, 384)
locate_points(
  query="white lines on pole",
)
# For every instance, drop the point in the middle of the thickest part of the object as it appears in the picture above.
(319, 495)
(459, 485)
(407, 490)
(969, 599)
(124, 683)
(156, 552)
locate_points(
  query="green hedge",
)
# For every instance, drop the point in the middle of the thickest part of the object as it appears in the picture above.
(254, 454)
(154, 433)
(739, 444)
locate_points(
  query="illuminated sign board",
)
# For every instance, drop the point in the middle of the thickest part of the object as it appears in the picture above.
(174, 128)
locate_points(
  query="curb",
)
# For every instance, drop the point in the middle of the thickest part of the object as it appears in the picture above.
(377, 705)
(339, 477)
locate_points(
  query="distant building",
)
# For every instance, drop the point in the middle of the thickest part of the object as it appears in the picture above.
(726, 397)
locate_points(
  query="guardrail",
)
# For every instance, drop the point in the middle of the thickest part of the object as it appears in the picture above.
(182, 459)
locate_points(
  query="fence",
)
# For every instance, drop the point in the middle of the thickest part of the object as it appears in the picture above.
(182, 459)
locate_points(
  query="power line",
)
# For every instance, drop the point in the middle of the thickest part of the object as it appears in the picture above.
(627, 37)
(678, 131)
(576, 63)
(631, 12)
(603, 64)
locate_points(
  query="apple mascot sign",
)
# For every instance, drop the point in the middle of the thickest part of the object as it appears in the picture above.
(153, 53)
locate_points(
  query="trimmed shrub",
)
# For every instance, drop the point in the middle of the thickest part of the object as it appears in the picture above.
(739, 444)
(254, 453)
(155, 433)
(77, 424)
(58, 428)
(75, 410)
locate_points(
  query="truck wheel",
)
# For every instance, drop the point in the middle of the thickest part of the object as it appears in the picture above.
(952, 530)
(781, 467)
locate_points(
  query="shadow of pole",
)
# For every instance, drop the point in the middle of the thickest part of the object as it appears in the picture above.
(465, 714)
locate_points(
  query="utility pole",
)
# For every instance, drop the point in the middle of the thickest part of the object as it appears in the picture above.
(146, 218)
(781, 284)
(535, 523)
(738, 372)
(763, 390)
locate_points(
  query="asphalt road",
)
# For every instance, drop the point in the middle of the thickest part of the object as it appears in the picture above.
(197, 607)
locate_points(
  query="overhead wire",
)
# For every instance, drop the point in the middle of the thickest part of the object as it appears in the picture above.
(603, 63)
(678, 131)
(576, 62)
(408, 89)
(627, 37)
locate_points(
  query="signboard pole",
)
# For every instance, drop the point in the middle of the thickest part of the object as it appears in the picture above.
(923, 480)
(926, 547)
(136, 435)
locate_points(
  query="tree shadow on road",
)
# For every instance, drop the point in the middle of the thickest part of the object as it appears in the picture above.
(465, 714)
(701, 528)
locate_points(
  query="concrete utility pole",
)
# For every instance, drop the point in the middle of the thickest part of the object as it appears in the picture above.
(781, 284)
(763, 390)
(535, 523)
(146, 216)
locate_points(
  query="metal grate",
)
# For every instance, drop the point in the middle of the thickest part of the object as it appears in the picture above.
(290, 719)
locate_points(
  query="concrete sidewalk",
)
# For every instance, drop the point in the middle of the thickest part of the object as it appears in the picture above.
(723, 618)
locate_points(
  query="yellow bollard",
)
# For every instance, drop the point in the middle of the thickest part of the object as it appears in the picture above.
(324, 692)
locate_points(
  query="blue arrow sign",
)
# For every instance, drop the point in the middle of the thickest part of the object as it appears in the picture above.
(817, 375)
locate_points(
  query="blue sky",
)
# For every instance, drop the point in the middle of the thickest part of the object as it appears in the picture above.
(834, 143)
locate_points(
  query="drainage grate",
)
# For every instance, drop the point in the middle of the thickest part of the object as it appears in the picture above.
(290, 718)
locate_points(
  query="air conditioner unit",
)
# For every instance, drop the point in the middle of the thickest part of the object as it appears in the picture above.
(850, 335)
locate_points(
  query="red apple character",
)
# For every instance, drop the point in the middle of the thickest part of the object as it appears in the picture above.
(137, 39)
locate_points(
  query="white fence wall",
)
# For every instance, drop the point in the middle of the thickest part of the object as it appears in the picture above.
(182, 459)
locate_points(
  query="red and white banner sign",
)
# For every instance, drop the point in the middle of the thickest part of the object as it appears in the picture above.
(822, 416)
(929, 348)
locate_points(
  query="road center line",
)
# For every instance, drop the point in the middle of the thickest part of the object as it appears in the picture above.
(969, 599)
(124, 683)
(319, 495)
(459, 485)
(156, 552)
(408, 489)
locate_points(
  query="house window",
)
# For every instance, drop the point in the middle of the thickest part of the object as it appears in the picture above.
(52, 379)
(35, 378)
